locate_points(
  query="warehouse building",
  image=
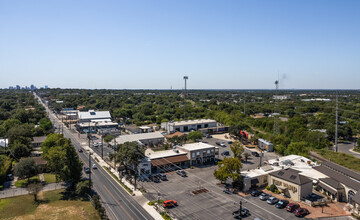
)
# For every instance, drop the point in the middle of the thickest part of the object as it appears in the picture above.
(187, 126)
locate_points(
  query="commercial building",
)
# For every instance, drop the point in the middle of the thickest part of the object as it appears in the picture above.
(265, 145)
(147, 139)
(291, 183)
(96, 122)
(341, 183)
(92, 116)
(199, 153)
(261, 176)
(69, 113)
(167, 160)
(187, 126)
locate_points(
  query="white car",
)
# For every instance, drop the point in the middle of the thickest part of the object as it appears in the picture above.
(94, 166)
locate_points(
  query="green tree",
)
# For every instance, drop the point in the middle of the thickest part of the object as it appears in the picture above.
(298, 148)
(228, 168)
(246, 156)
(46, 124)
(108, 138)
(18, 132)
(34, 189)
(26, 169)
(237, 148)
(19, 150)
(82, 188)
(195, 135)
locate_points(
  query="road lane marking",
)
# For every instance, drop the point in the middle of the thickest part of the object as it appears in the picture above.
(118, 203)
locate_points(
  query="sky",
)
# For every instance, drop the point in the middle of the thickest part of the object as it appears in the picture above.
(152, 44)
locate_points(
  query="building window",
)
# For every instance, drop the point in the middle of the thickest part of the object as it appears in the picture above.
(208, 151)
(198, 153)
(192, 155)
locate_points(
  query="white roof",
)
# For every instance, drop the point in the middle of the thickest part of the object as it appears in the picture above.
(3, 141)
(300, 164)
(98, 123)
(91, 114)
(165, 153)
(191, 122)
(138, 137)
(196, 146)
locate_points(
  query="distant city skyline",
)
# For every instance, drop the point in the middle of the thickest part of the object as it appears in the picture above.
(153, 44)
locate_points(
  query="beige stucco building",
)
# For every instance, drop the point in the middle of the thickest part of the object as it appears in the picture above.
(290, 183)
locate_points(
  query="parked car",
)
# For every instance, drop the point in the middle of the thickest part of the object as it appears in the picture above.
(230, 142)
(208, 136)
(222, 144)
(256, 193)
(162, 176)
(86, 169)
(281, 204)
(225, 153)
(95, 144)
(181, 173)
(272, 200)
(80, 150)
(241, 213)
(155, 178)
(9, 177)
(254, 153)
(292, 207)
(169, 203)
(264, 196)
(227, 191)
(217, 143)
(94, 166)
(300, 212)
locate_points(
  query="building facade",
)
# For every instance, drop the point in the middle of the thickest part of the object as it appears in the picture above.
(187, 126)
(199, 153)
(291, 184)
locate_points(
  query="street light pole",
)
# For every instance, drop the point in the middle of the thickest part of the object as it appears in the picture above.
(102, 146)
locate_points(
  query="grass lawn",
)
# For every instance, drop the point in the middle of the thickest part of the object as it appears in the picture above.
(343, 159)
(22, 183)
(49, 178)
(51, 207)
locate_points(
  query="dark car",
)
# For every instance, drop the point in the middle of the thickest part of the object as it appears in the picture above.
(300, 212)
(292, 207)
(217, 143)
(281, 204)
(86, 169)
(256, 193)
(227, 191)
(264, 196)
(254, 153)
(242, 213)
(162, 176)
(225, 153)
(80, 150)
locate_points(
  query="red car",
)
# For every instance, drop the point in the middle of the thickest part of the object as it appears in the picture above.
(300, 212)
(292, 207)
(169, 203)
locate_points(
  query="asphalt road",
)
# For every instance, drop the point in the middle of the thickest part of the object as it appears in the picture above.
(116, 201)
(345, 148)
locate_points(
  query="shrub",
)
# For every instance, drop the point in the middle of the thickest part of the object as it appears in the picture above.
(268, 187)
(273, 188)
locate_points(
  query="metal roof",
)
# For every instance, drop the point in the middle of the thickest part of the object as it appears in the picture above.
(338, 177)
(191, 122)
(138, 137)
(91, 114)
(341, 169)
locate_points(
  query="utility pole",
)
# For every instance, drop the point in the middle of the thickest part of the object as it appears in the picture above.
(336, 125)
(276, 128)
(102, 146)
(89, 163)
(185, 78)
(244, 105)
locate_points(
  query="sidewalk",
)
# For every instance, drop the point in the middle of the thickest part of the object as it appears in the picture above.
(137, 195)
(23, 191)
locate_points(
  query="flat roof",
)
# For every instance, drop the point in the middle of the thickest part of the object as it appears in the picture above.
(165, 154)
(91, 114)
(196, 146)
(98, 123)
(190, 122)
(138, 137)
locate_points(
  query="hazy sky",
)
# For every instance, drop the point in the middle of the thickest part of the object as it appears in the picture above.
(153, 44)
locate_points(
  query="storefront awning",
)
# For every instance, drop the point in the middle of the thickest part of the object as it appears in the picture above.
(169, 160)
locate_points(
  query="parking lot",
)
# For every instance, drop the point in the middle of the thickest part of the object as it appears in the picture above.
(214, 204)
